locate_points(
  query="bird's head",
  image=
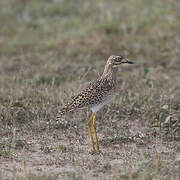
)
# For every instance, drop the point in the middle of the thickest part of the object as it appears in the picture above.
(116, 60)
(113, 64)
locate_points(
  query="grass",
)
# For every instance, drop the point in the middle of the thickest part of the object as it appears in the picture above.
(50, 50)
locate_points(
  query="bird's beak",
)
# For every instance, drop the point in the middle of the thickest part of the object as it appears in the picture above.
(127, 61)
(124, 61)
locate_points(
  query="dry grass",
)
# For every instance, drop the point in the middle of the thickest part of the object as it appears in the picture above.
(49, 50)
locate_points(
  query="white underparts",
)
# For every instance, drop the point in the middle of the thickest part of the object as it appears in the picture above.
(97, 107)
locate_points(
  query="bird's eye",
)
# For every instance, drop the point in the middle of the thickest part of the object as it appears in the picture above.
(119, 58)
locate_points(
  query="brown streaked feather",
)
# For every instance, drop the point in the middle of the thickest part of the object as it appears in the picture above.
(99, 91)
(93, 94)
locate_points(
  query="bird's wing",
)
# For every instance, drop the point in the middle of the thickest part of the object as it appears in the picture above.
(93, 94)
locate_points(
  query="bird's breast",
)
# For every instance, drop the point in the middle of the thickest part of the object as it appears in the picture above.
(105, 101)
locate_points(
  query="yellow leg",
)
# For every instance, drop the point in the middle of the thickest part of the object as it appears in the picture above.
(89, 126)
(94, 126)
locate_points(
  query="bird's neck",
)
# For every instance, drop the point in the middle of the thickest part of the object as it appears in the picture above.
(109, 73)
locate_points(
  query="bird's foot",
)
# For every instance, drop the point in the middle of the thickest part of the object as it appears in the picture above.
(95, 152)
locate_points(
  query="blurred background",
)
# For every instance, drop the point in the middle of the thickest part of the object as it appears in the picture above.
(54, 37)
(49, 49)
(91, 30)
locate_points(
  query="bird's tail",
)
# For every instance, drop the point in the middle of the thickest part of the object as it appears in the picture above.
(63, 111)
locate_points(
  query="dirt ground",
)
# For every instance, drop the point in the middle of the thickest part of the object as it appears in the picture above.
(128, 151)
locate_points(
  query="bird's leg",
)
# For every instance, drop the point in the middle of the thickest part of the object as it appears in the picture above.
(94, 126)
(89, 126)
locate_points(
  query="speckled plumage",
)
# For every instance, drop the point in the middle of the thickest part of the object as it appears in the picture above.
(97, 93)
(93, 94)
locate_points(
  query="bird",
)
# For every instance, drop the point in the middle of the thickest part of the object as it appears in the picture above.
(97, 94)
